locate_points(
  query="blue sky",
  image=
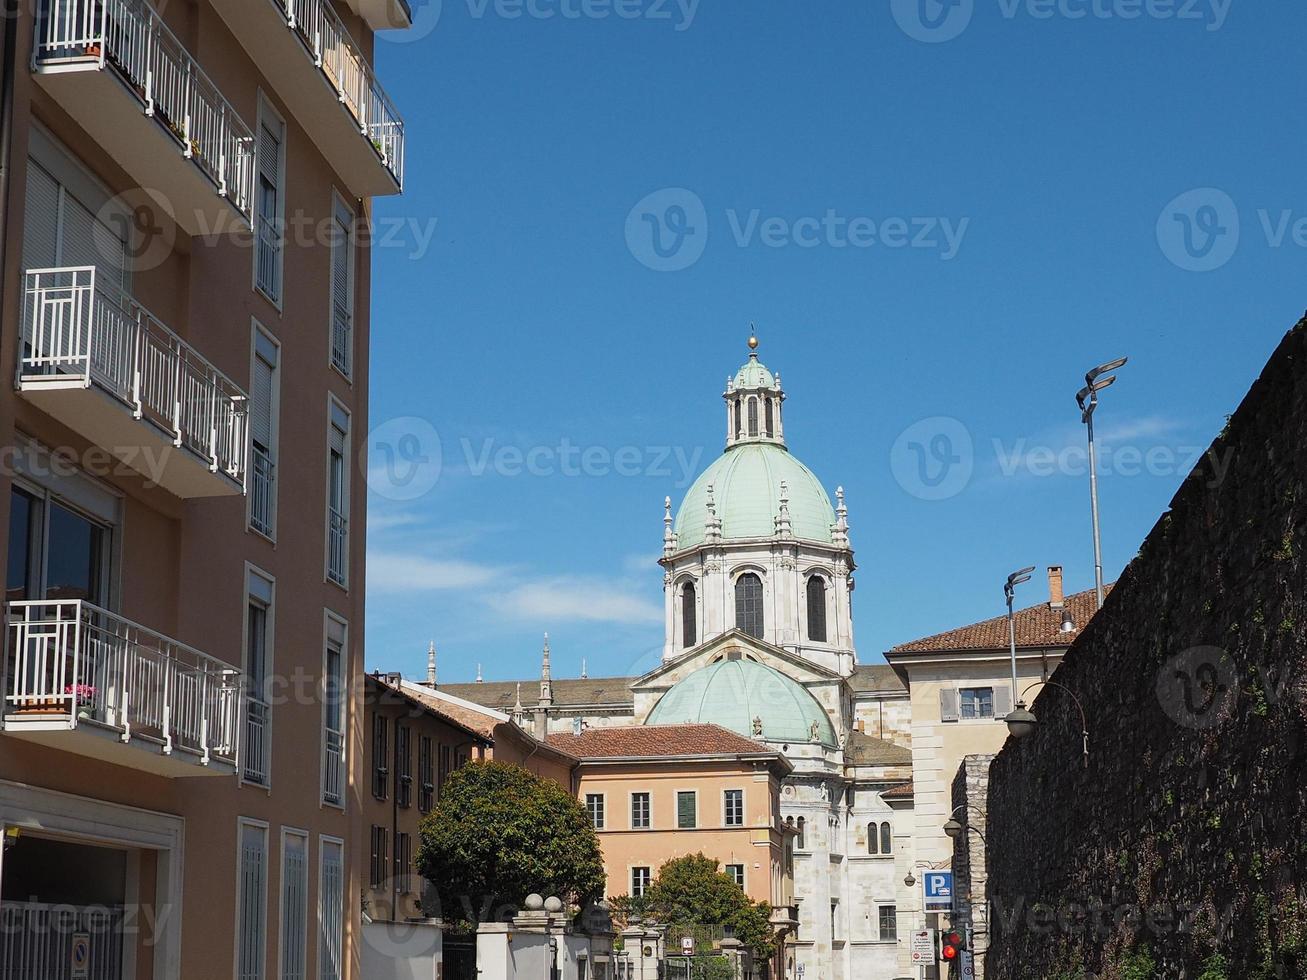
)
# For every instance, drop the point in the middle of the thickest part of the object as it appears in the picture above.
(939, 217)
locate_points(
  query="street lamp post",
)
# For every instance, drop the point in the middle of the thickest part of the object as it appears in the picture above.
(1087, 399)
(1009, 593)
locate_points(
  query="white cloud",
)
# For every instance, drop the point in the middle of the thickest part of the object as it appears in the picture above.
(396, 572)
(576, 598)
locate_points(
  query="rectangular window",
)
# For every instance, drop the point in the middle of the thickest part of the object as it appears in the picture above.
(976, 702)
(342, 288)
(54, 550)
(331, 908)
(640, 878)
(333, 713)
(446, 764)
(252, 903)
(687, 810)
(736, 873)
(258, 671)
(338, 496)
(641, 811)
(594, 804)
(735, 808)
(294, 905)
(380, 749)
(263, 434)
(404, 863)
(889, 924)
(270, 204)
(403, 766)
(426, 775)
(834, 921)
(377, 864)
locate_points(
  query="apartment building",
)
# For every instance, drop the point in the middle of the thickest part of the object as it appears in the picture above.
(184, 294)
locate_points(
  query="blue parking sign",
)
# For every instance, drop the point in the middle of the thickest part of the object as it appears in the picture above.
(937, 891)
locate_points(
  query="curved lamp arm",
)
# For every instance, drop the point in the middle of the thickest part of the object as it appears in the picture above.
(1084, 722)
(967, 826)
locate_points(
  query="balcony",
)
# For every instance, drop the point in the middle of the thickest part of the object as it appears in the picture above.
(99, 362)
(308, 56)
(122, 74)
(82, 679)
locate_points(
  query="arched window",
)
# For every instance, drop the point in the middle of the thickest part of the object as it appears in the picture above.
(753, 416)
(688, 632)
(737, 418)
(767, 418)
(880, 839)
(873, 838)
(817, 609)
(748, 604)
(886, 839)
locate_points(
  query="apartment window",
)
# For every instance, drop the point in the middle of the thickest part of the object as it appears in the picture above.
(404, 862)
(403, 766)
(252, 902)
(333, 713)
(263, 434)
(889, 923)
(689, 631)
(594, 805)
(57, 550)
(446, 765)
(342, 288)
(880, 838)
(377, 864)
(270, 203)
(426, 775)
(294, 905)
(734, 808)
(380, 748)
(817, 609)
(748, 604)
(687, 810)
(640, 879)
(641, 811)
(736, 873)
(338, 496)
(258, 667)
(331, 908)
(976, 702)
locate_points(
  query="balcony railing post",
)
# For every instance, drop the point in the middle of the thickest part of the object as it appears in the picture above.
(77, 657)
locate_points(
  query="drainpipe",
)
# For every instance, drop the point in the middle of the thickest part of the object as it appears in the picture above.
(9, 26)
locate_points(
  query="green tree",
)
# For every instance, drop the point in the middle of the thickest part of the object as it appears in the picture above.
(693, 891)
(500, 833)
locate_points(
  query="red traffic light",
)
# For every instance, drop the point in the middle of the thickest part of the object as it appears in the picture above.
(950, 946)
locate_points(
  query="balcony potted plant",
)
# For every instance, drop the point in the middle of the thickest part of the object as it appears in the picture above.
(84, 695)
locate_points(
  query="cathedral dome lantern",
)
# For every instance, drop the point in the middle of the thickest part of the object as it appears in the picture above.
(753, 403)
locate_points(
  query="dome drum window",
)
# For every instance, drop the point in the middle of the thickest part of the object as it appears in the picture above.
(689, 616)
(748, 604)
(816, 590)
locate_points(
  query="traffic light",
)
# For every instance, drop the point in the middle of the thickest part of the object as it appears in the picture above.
(950, 946)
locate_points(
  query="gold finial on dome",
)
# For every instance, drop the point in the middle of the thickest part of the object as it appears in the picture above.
(753, 338)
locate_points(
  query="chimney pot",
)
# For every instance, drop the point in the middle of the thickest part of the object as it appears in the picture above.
(1056, 598)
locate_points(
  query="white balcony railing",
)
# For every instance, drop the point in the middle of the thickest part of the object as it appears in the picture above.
(333, 777)
(257, 742)
(342, 337)
(337, 545)
(333, 50)
(72, 659)
(129, 37)
(76, 328)
(262, 496)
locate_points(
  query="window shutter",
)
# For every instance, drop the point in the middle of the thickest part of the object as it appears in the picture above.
(269, 153)
(261, 403)
(41, 222)
(685, 810)
(1002, 702)
(948, 704)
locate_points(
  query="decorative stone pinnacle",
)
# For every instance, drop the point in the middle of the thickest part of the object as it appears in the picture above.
(431, 663)
(669, 536)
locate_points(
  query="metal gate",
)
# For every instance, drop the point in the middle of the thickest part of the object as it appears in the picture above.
(39, 942)
(459, 957)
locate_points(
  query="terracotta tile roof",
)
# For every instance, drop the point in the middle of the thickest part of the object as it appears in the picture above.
(875, 677)
(502, 695)
(903, 791)
(478, 721)
(1037, 627)
(437, 709)
(656, 741)
(868, 750)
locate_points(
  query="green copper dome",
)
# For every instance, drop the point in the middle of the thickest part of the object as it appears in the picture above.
(754, 374)
(732, 693)
(746, 482)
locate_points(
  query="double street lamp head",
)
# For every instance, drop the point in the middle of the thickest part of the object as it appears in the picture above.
(1015, 579)
(1087, 397)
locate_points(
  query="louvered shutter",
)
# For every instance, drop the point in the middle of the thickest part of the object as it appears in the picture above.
(261, 386)
(948, 704)
(1002, 702)
(41, 222)
(685, 810)
(85, 240)
(269, 153)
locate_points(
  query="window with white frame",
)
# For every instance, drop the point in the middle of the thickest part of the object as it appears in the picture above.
(641, 811)
(270, 203)
(734, 805)
(342, 288)
(640, 879)
(334, 674)
(736, 873)
(889, 923)
(976, 702)
(258, 672)
(594, 805)
(252, 902)
(331, 908)
(338, 495)
(294, 905)
(264, 377)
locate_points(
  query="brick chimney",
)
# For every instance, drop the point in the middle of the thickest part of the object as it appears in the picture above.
(1055, 597)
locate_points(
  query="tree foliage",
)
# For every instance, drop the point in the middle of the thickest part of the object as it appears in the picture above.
(500, 833)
